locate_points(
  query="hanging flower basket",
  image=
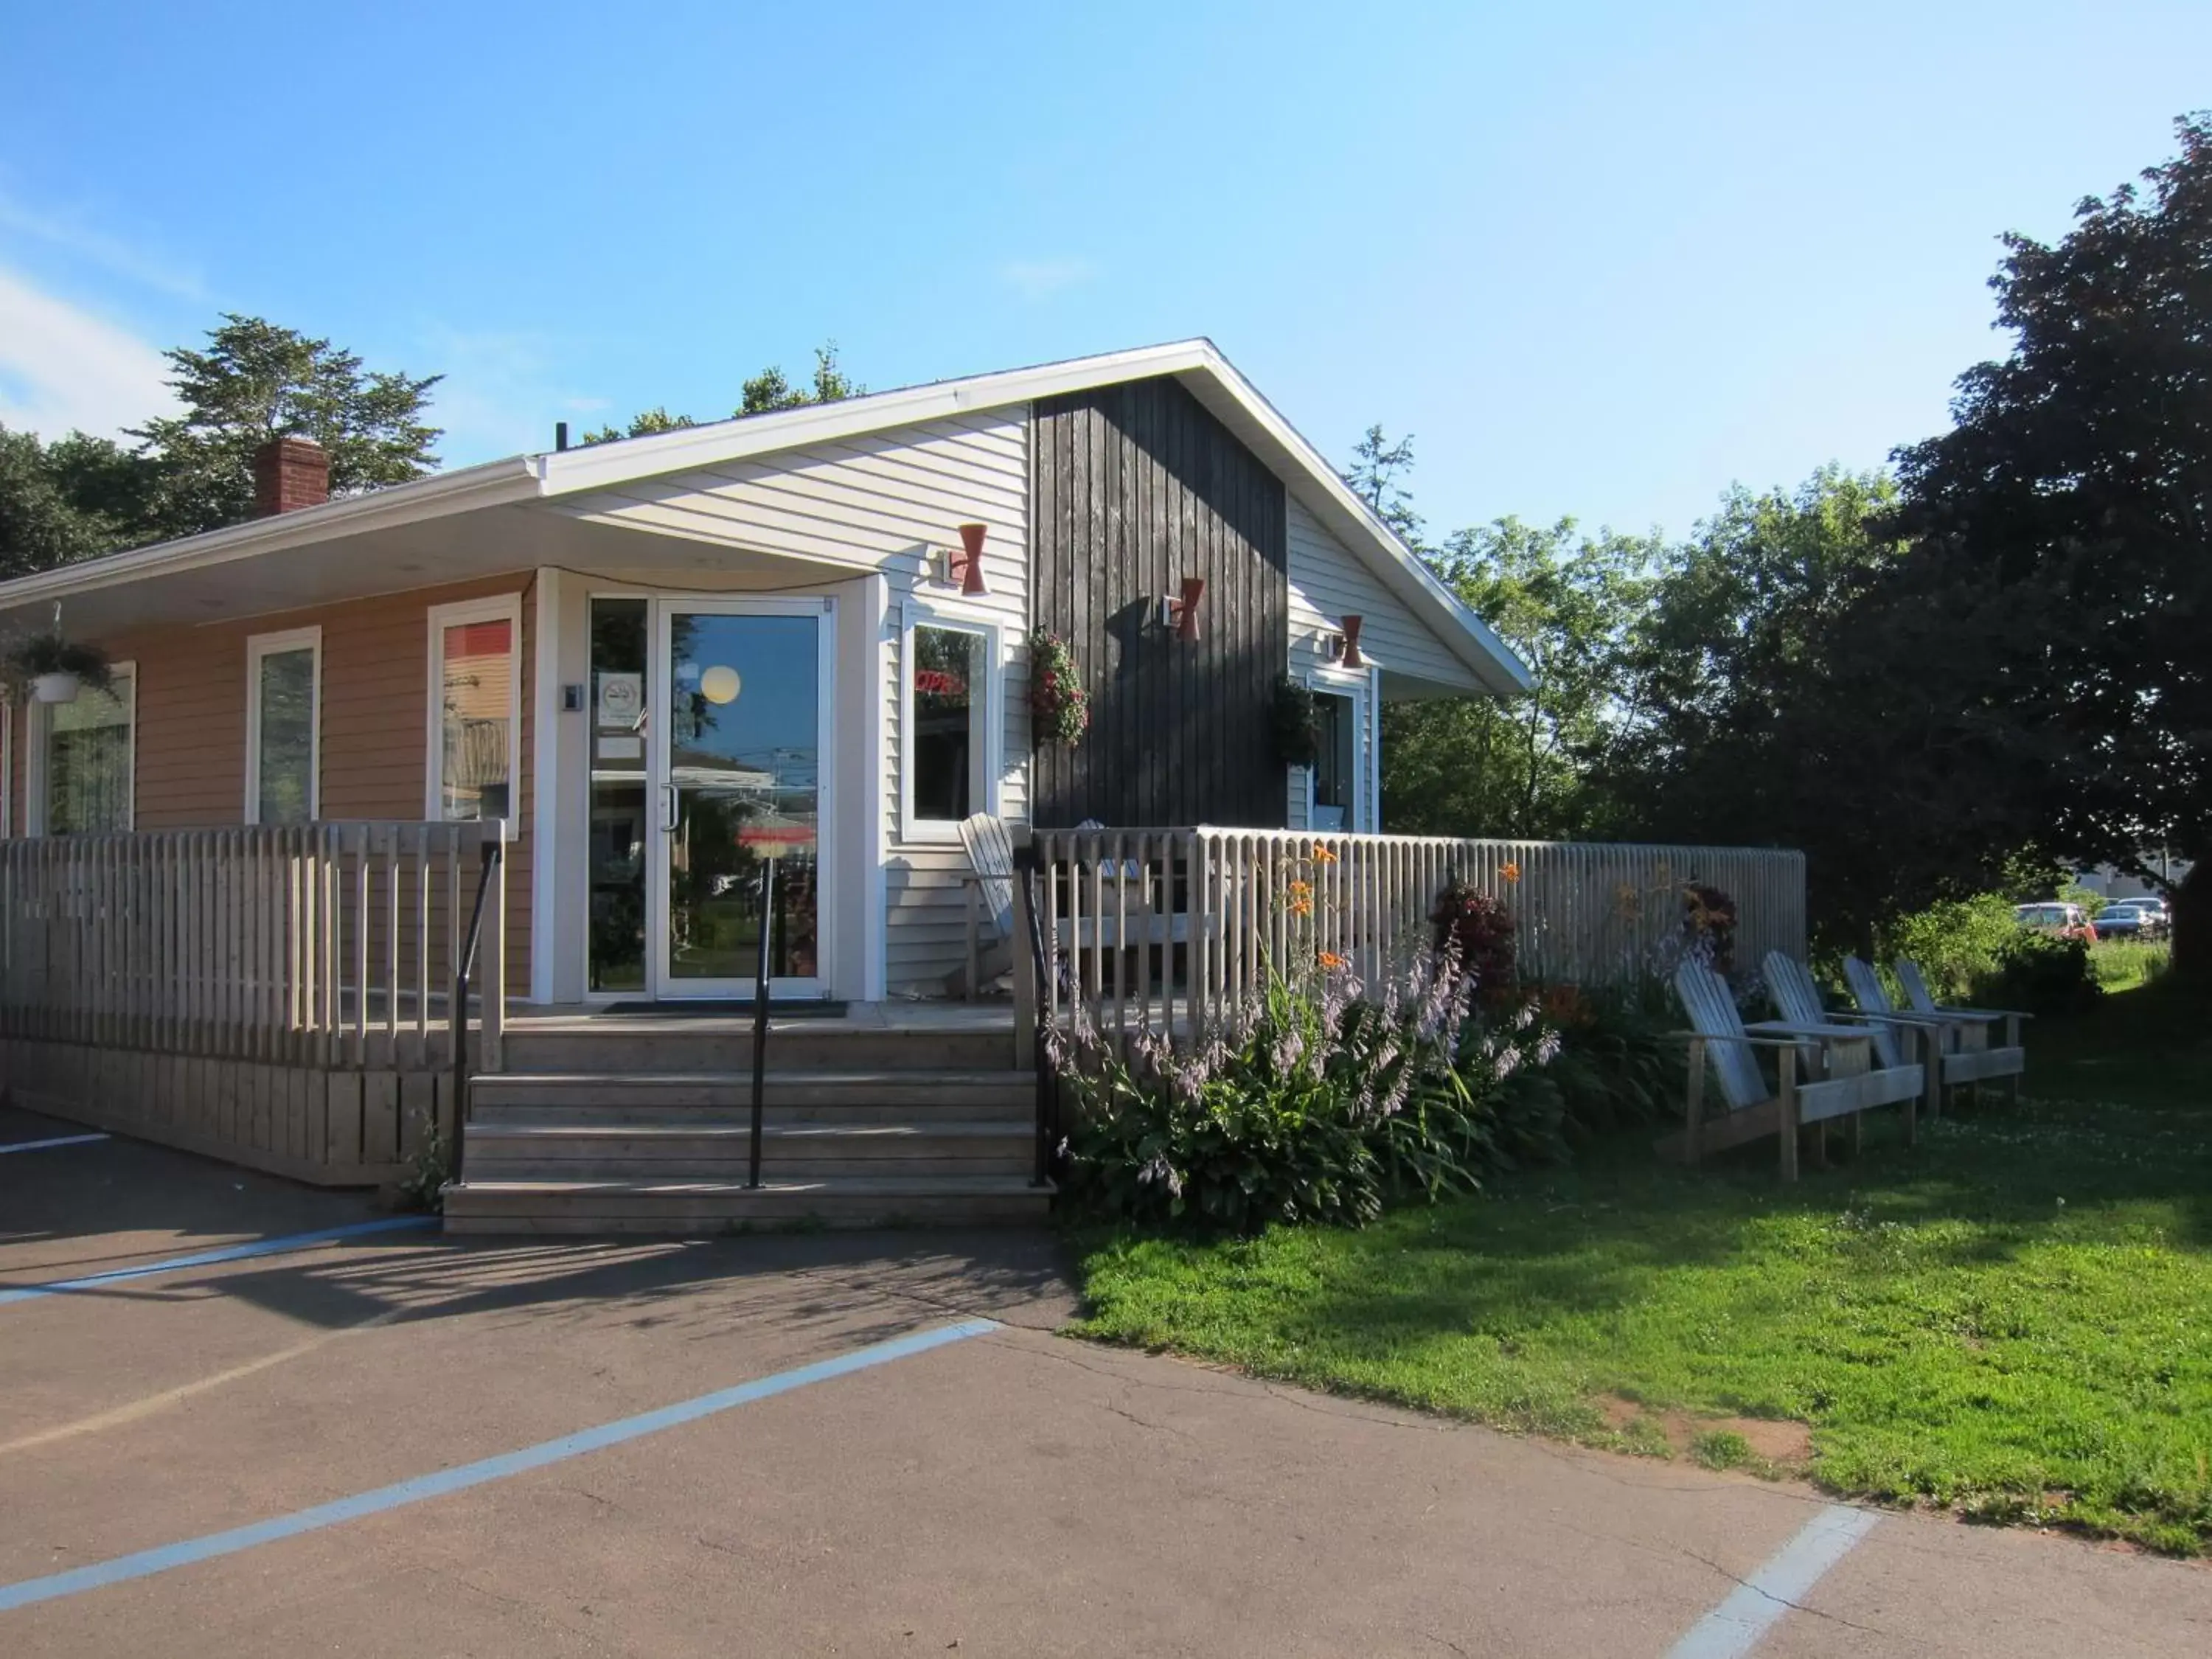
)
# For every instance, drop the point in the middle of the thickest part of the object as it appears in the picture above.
(54, 669)
(1060, 708)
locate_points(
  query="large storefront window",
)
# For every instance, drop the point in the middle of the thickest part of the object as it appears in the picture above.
(89, 745)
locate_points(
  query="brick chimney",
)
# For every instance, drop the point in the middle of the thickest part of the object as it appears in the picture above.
(290, 472)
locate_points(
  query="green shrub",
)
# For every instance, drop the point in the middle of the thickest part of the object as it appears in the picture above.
(1315, 1106)
(1958, 944)
(1973, 951)
(1619, 1063)
(2041, 974)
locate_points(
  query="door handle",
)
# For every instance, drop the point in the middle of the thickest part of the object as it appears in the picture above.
(667, 809)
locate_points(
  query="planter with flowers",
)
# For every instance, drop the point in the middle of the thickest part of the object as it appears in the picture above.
(52, 669)
(1059, 708)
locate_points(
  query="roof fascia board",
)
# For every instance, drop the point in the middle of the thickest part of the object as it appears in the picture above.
(571, 471)
(490, 484)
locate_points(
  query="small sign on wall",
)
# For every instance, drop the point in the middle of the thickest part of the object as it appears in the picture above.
(622, 700)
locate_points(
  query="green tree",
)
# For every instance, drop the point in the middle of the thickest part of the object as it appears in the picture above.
(1566, 603)
(65, 500)
(1377, 474)
(2063, 524)
(765, 392)
(1784, 688)
(257, 381)
(656, 419)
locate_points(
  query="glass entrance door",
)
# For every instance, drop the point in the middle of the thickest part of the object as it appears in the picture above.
(741, 702)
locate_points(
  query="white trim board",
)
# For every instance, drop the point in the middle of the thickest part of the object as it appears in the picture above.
(546, 774)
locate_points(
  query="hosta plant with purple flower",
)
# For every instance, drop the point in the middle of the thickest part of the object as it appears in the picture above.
(1316, 1103)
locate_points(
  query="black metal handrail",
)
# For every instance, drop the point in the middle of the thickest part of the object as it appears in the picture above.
(1047, 1074)
(760, 1017)
(494, 854)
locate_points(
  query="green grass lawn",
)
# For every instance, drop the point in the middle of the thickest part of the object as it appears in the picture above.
(2013, 1318)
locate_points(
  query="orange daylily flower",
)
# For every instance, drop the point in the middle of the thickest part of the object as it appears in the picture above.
(1509, 871)
(1322, 855)
(1330, 960)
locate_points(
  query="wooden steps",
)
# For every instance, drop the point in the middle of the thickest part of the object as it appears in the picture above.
(852, 1096)
(614, 1128)
(701, 1208)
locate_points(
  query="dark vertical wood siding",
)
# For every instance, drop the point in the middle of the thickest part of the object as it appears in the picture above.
(1136, 488)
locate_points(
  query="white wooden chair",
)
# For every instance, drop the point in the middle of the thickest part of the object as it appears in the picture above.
(1954, 1066)
(1971, 1058)
(1847, 1083)
(1898, 1038)
(989, 881)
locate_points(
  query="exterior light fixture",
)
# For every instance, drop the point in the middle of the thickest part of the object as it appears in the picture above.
(963, 568)
(1344, 646)
(1181, 614)
(720, 684)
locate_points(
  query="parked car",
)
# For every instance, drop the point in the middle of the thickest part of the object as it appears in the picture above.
(2131, 919)
(2067, 920)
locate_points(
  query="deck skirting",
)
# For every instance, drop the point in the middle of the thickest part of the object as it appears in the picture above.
(328, 1128)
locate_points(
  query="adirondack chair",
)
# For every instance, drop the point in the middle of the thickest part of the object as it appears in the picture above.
(1848, 1085)
(1954, 1066)
(1972, 1059)
(990, 884)
(1896, 1039)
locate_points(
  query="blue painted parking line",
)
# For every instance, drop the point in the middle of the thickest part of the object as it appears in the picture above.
(208, 1258)
(146, 1562)
(51, 1140)
(1734, 1628)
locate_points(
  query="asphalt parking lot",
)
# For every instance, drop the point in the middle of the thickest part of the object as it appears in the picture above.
(218, 1437)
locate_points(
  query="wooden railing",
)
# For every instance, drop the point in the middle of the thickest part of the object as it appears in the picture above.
(1170, 930)
(330, 946)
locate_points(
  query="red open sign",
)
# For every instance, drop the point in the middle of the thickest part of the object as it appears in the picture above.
(939, 682)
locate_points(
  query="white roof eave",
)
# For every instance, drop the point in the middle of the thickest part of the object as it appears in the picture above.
(513, 479)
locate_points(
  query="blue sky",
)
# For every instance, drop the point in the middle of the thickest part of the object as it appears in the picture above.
(1599, 259)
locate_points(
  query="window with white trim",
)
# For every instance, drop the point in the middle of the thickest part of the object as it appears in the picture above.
(284, 726)
(476, 703)
(88, 755)
(7, 767)
(951, 684)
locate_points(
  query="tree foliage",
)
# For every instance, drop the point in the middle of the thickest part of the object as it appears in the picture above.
(257, 381)
(765, 392)
(1565, 602)
(2066, 519)
(63, 501)
(81, 495)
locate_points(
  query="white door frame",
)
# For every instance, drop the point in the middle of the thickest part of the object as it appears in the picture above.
(661, 666)
(1362, 688)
